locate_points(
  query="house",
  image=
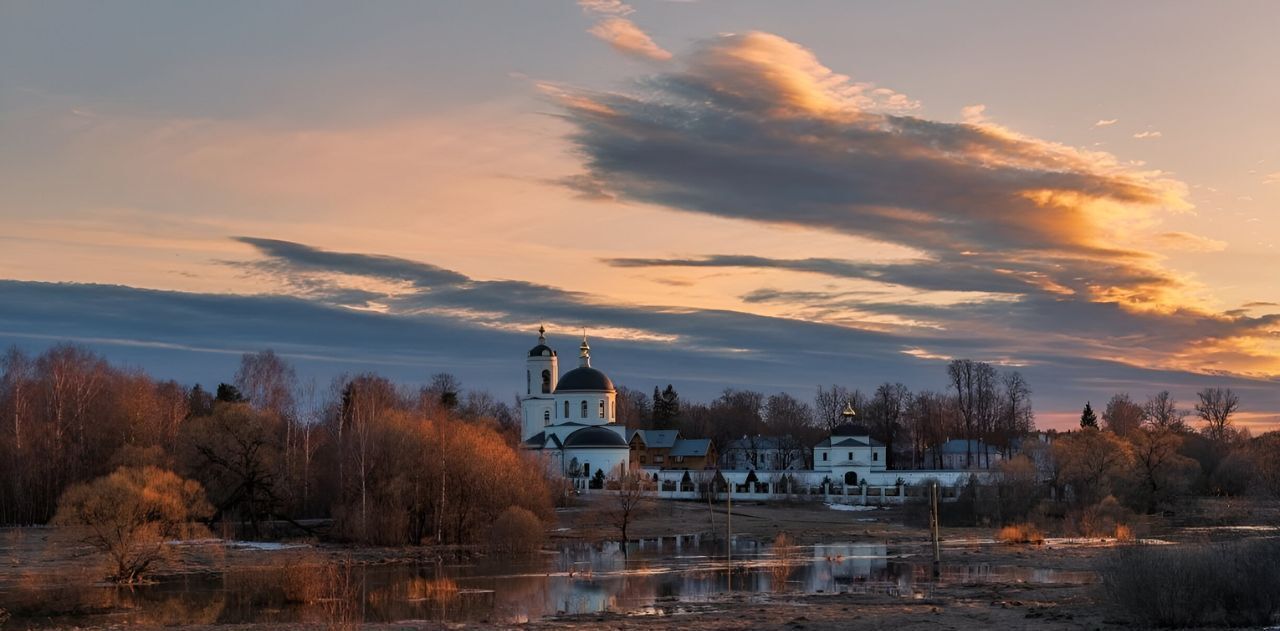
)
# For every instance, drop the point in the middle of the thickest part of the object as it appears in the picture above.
(665, 449)
(692, 454)
(960, 454)
(650, 447)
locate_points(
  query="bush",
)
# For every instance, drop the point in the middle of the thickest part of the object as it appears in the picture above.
(517, 530)
(1105, 519)
(1233, 584)
(130, 513)
(1021, 533)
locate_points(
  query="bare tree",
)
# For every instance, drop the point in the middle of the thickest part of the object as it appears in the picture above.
(622, 508)
(1015, 417)
(1122, 416)
(975, 391)
(1160, 469)
(634, 409)
(268, 382)
(886, 410)
(1216, 407)
(1161, 410)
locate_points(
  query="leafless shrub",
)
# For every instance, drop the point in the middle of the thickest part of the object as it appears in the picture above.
(517, 530)
(1232, 584)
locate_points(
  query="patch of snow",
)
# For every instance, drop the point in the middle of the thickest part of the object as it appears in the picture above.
(264, 545)
(240, 545)
(852, 507)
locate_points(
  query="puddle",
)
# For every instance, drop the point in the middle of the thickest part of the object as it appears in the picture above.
(656, 577)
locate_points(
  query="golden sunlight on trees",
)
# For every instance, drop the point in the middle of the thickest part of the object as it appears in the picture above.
(1092, 462)
(131, 514)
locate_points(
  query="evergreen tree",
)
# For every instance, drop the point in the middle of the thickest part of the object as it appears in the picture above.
(666, 407)
(229, 393)
(1087, 418)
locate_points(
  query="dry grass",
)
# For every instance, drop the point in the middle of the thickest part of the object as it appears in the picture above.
(1232, 584)
(784, 548)
(1021, 533)
(438, 589)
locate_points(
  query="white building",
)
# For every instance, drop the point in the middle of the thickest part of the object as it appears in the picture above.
(571, 418)
(851, 457)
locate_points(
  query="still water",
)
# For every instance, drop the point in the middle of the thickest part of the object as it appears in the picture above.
(654, 577)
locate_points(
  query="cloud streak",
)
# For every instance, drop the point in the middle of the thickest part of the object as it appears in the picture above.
(620, 32)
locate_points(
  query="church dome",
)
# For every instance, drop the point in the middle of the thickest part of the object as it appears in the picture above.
(594, 437)
(584, 378)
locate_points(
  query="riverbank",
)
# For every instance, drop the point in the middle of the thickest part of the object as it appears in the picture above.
(843, 569)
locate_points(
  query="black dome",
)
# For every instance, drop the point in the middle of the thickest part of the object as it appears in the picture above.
(584, 378)
(541, 350)
(594, 437)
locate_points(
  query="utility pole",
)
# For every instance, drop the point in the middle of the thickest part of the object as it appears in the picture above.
(933, 527)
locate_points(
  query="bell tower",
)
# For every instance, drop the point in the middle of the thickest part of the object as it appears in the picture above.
(542, 371)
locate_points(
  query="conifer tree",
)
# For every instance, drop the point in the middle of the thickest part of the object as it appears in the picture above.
(1087, 418)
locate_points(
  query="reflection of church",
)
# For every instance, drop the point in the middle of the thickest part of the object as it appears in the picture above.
(572, 419)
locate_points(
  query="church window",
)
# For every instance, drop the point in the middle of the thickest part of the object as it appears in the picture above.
(546, 384)
(875, 456)
(601, 408)
(851, 455)
(584, 409)
(546, 416)
(528, 382)
(824, 456)
(566, 410)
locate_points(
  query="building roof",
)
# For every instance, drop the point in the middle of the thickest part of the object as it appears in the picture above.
(850, 442)
(537, 439)
(542, 350)
(596, 436)
(691, 447)
(584, 378)
(657, 438)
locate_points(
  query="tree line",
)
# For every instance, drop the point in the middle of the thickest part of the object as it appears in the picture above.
(1149, 455)
(980, 403)
(389, 464)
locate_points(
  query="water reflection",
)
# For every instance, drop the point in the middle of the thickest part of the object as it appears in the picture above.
(655, 576)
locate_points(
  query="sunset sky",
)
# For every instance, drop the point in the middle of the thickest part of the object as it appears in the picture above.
(723, 194)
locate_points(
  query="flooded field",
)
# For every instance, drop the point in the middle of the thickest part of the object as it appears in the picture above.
(657, 576)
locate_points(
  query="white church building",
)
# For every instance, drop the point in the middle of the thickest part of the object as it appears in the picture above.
(572, 418)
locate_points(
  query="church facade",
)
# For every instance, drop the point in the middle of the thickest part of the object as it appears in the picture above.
(571, 419)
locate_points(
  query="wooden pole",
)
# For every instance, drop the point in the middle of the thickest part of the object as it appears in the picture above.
(933, 523)
(728, 543)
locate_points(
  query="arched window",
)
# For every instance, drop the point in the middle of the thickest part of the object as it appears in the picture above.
(566, 409)
(528, 382)
(584, 409)
(546, 416)
(546, 384)
(601, 408)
